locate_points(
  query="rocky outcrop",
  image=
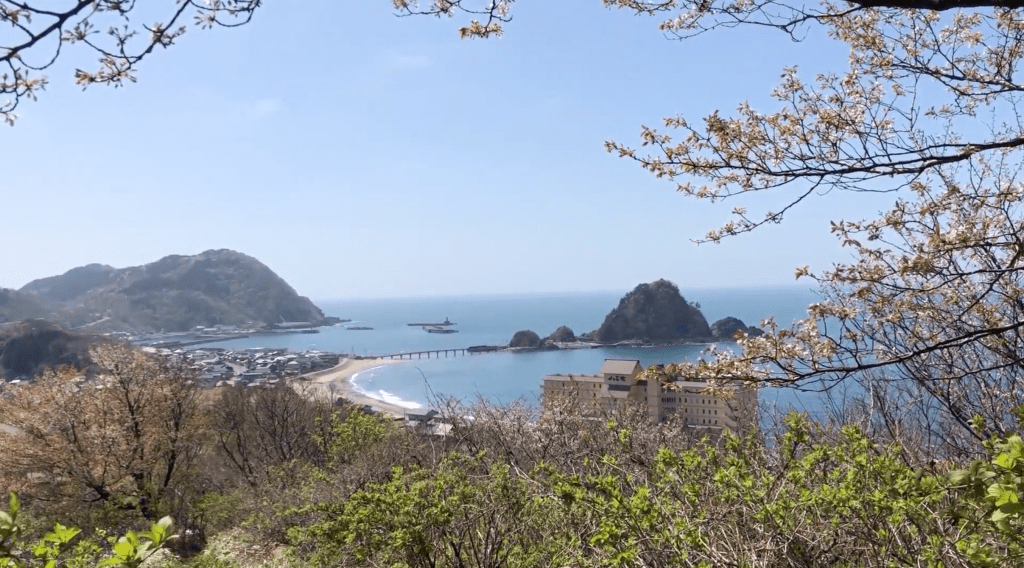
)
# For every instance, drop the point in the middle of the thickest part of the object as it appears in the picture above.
(562, 335)
(525, 338)
(726, 329)
(175, 293)
(654, 312)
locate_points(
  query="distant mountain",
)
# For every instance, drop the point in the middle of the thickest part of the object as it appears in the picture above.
(175, 293)
(654, 312)
(72, 283)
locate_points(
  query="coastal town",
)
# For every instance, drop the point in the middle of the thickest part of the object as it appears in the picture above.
(248, 367)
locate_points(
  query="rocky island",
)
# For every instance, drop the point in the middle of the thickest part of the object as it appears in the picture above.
(525, 339)
(726, 329)
(654, 313)
(563, 334)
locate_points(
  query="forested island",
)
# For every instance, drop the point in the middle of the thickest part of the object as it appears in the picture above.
(650, 314)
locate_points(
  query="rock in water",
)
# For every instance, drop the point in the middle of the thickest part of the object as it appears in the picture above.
(525, 338)
(726, 329)
(562, 335)
(654, 312)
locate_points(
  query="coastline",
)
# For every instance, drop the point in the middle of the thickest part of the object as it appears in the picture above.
(336, 382)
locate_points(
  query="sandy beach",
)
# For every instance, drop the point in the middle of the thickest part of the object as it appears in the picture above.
(334, 382)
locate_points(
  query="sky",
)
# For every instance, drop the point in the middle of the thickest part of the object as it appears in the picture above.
(360, 155)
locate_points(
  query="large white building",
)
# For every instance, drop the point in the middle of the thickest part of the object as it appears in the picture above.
(619, 383)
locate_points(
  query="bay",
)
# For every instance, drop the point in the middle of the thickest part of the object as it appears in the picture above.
(492, 320)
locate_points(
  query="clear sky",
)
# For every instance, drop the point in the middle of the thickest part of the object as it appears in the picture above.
(363, 155)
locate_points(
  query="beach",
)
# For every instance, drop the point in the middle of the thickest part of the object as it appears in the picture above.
(335, 382)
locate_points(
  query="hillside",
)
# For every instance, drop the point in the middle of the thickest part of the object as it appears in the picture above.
(29, 346)
(654, 312)
(175, 293)
(16, 306)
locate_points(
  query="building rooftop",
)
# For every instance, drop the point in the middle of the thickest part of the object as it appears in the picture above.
(576, 377)
(620, 366)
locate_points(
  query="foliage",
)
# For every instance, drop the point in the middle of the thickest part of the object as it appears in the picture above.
(36, 33)
(812, 497)
(260, 430)
(61, 547)
(837, 503)
(127, 437)
(34, 345)
(459, 513)
(511, 488)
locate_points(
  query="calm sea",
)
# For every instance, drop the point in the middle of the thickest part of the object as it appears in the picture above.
(492, 320)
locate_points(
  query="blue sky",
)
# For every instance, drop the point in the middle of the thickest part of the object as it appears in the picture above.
(363, 155)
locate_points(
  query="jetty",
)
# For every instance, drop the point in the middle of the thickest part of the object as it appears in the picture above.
(437, 353)
(446, 322)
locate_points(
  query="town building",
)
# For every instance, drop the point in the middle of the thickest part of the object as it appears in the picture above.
(621, 383)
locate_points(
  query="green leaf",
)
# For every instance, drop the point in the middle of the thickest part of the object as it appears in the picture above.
(1005, 461)
(124, 549)
(1012, 508)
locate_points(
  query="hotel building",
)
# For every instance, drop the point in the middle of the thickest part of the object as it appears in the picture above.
(620, 383)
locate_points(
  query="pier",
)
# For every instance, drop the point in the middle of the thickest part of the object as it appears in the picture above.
(436, 353)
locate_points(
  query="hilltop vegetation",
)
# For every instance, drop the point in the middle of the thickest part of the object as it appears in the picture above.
(29, 347)
(175, 293)
(316, 484)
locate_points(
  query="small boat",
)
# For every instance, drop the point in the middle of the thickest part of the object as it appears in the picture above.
(358, 328)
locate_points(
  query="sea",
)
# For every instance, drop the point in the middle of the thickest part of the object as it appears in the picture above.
(506, 376)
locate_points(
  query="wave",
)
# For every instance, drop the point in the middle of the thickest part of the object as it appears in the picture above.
(385, 396)
(381, 394)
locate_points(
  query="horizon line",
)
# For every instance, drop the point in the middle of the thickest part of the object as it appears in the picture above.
(682, 291)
